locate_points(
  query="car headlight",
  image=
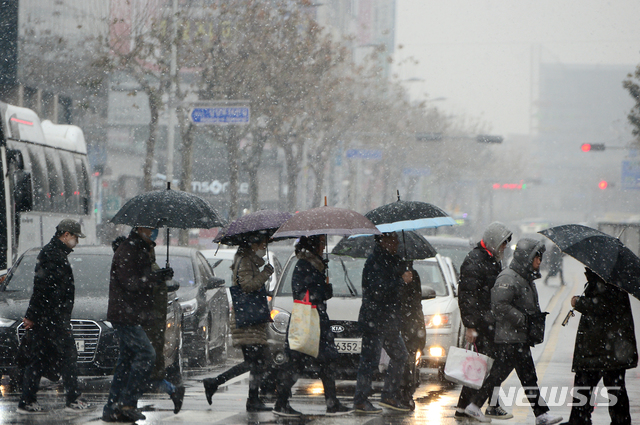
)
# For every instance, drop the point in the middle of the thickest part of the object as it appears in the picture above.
(280, 321)
(442, 320)
(5, 323)
(189, 307)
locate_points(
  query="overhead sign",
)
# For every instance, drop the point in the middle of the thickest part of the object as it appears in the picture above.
(370, 154)
(630, 174)
(220, 115)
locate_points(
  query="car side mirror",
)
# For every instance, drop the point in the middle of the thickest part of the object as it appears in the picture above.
(213, 283)
(428, 293)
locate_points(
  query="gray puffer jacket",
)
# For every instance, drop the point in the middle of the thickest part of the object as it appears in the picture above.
(514, 294)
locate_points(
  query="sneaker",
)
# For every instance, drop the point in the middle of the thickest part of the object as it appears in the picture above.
(338, 409)
(31, 409)
(210, 388)
(78, 406)
(547, 419)
(394, 405)
(474, 412)
(131, 414)
(286, 411)
(177, 397)
(460, 415)
(497, 413)
(367, 408)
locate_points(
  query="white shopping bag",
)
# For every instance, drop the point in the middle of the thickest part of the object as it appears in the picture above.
(304, 327)
(467, 367)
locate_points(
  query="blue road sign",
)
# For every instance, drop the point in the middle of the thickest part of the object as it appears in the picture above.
(631, 174)
(370, 154)
(220, 115)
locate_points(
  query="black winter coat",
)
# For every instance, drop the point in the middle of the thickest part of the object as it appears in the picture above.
(132, 282)
(53, 295)
(606, 337)
(381, 286)
(307, 277)
(413, 328)
(478, 274)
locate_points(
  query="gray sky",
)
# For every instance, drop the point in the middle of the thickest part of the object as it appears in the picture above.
(478, 53)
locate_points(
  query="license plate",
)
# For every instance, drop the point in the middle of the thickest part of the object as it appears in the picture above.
(79, 344)
(348, 345)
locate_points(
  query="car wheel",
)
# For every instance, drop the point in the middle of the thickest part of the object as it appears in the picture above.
(204, 358)
(221, 353)
(175, 369)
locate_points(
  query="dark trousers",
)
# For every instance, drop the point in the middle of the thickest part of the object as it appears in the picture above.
(372, 344)
(289, 373)
(508, 357)
(588, 379)
(68, 370)
(484, 346)
(255, 357)
(133, 368)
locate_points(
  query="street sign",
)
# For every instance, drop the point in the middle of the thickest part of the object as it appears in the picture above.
(370, 154)
(220, 115)
(631, 174)
(417, 172)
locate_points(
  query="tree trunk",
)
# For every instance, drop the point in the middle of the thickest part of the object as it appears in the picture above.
(234, 161)
(293, 168)
(319, 170)
(154, 106)
(187, 169)
(253, 188)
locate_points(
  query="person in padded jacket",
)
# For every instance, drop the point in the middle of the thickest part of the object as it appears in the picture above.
(513, 298)
(478, 274)
(309, 275)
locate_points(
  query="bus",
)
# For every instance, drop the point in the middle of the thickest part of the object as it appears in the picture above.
(45, 179)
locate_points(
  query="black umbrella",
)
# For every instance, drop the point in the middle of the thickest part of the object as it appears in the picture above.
(170, 208)
(604, 254)
(264, 222)
(415, 246)
(408, 215)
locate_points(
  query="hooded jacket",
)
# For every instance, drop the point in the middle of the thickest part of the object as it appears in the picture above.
(514, 296)
(606, 337)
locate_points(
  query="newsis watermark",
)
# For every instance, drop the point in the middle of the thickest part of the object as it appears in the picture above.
(555, 396)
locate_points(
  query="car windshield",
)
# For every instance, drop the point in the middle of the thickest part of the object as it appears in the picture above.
(90, 274)
(222, 269)
(456, 253)
(345, 274)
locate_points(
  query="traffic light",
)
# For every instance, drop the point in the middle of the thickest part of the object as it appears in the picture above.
(603, 184)
(587, 147)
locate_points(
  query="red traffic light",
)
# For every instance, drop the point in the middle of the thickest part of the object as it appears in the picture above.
(603, 184)
(586, 147)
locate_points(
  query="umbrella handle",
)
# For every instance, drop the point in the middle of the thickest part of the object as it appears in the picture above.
(167, 266)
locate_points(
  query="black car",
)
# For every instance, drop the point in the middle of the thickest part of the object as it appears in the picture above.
(94, 335)
(204, 304)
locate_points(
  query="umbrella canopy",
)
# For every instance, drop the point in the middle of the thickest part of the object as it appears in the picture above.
(264, 222)
(414, 245)
(408, 215)
(602, 253)
(326, 221)
(170, 208)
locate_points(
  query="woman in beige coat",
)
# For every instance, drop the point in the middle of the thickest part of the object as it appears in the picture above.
(251, 339)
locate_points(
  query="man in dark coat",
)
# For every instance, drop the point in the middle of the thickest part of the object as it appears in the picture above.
(383, 276)
(605, 348)
(49, 318)
(478, 274)
(514, 298)
(130, 307)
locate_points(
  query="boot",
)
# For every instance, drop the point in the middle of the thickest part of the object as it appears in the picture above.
(210, 387)
(254, 404)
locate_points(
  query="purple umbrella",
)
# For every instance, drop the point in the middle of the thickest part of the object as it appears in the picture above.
(326, 221)
(264, 222)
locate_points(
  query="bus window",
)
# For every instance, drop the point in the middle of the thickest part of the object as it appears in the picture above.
(71, 191)
(83, 184)
(56, 187)
(40, 179)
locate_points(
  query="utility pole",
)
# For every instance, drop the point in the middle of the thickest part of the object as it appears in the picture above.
(172, 94)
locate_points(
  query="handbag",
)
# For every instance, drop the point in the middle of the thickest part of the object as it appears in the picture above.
(249, 308)
(536, 325)
(467, 367)
(304, 327)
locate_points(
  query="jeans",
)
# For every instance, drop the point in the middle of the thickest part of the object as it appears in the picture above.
(508, 357)
(618, 410)
(69, 370)
(372, 343)
(133, 369)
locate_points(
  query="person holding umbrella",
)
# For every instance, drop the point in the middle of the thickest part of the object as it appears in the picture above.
(605, 348)
(251, 339)
(309, 277)
(383, 277)
(130, 308)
